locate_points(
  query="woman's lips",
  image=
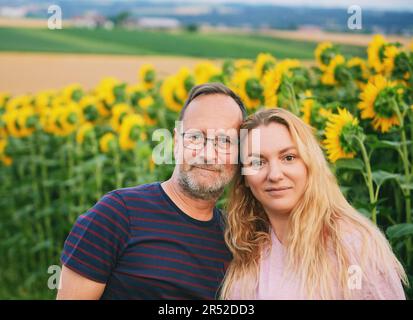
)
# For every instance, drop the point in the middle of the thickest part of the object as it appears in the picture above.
(279, 191)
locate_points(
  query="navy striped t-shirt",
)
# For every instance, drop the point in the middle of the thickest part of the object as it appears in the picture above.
(138, 242)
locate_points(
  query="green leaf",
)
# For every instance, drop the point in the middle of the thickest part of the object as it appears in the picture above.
(400, 230)
(407, 186)
(375, 143)
(380, 176)
(352, 164)
(41, 246)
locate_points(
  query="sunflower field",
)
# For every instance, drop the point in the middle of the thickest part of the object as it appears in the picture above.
(62, 149)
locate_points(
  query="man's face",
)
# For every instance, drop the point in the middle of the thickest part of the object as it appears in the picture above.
(207, 167)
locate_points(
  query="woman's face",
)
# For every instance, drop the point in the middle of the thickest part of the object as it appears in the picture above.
(274, 171)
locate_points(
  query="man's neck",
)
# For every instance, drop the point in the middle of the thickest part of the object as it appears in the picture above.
(196, 208)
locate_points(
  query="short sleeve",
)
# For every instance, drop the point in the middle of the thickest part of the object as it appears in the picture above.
(97, 239)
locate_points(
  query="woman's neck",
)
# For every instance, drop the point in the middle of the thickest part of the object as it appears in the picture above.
(280, 225)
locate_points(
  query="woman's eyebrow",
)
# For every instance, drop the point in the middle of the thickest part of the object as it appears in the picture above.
(258, 155)
(287, 149)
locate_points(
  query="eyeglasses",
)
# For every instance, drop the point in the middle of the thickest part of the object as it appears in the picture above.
(195, 140)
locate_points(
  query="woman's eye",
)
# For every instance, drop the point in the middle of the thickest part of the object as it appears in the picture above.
(289, 157)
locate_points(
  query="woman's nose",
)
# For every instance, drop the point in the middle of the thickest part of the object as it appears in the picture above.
(275, 171)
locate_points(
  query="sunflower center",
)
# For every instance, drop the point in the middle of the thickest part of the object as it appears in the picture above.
(382, 105)
(327, 55)
(91, 113)
(347, 137)
(253, 88)
(134, 133)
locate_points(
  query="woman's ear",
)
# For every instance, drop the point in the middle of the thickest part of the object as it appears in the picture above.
(246, 183)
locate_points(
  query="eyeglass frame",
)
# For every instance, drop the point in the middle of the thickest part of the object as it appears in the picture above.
(203, 145)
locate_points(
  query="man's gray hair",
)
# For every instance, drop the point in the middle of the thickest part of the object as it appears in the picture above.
(212, 88)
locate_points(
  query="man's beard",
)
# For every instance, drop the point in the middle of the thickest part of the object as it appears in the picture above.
(190, 185)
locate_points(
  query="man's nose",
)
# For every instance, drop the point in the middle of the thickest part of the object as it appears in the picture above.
(209, 150)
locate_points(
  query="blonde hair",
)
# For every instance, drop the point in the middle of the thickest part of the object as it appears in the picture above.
(318, 226)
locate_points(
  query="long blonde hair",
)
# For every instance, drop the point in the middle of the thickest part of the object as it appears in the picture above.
(316, 226)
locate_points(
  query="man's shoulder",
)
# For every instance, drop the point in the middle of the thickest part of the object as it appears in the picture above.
(220, 217)
(148, 189)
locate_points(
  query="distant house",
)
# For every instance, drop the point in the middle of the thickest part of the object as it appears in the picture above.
(13, 12)
(158, 23)
(310, 28)
(91, 20)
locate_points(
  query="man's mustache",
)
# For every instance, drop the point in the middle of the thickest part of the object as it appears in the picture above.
(211, 167)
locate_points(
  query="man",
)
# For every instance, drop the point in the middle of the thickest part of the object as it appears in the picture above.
(163, 240)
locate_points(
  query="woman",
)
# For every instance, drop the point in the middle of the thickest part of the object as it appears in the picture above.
(292, 233)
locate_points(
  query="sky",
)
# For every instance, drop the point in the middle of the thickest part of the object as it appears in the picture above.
(367, 4)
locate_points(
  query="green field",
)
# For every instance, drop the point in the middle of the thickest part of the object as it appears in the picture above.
(121, 41)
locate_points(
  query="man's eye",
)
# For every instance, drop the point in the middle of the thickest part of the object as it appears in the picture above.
(224, 140)
(195, 137)
(257, 163)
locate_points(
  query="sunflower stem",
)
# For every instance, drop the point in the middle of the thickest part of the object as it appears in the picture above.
(291, 90)
(99, 166)
(117, 169)
(405, 191)
(369, 180)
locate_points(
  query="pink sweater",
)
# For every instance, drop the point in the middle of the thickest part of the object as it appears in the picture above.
(273, 285)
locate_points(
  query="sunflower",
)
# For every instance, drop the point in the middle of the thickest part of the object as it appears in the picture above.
(248, 87)
(390, 53)
(359, 69)
(72, 92)
(4, 97)
(66, 119)
(263, 63)
(375, 53)
(340, 133)
(7, 161)
(108, 142)
(20, 122)
(105, 92)
(377, 101)
(307, 106)
(119, 111)
(205, 72)
(89, 106)
(273, 79)
(83, 131)
(19, 102)
(147, 76)
(131, 131)
(330, 75)
(175, 89)
(324, 52)
(172, 102)
(243, 64)
(146, 102)
(396, 63)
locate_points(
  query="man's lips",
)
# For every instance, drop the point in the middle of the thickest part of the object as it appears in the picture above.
(206, 168)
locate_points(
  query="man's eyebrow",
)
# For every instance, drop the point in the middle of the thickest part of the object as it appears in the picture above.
(256, 155)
